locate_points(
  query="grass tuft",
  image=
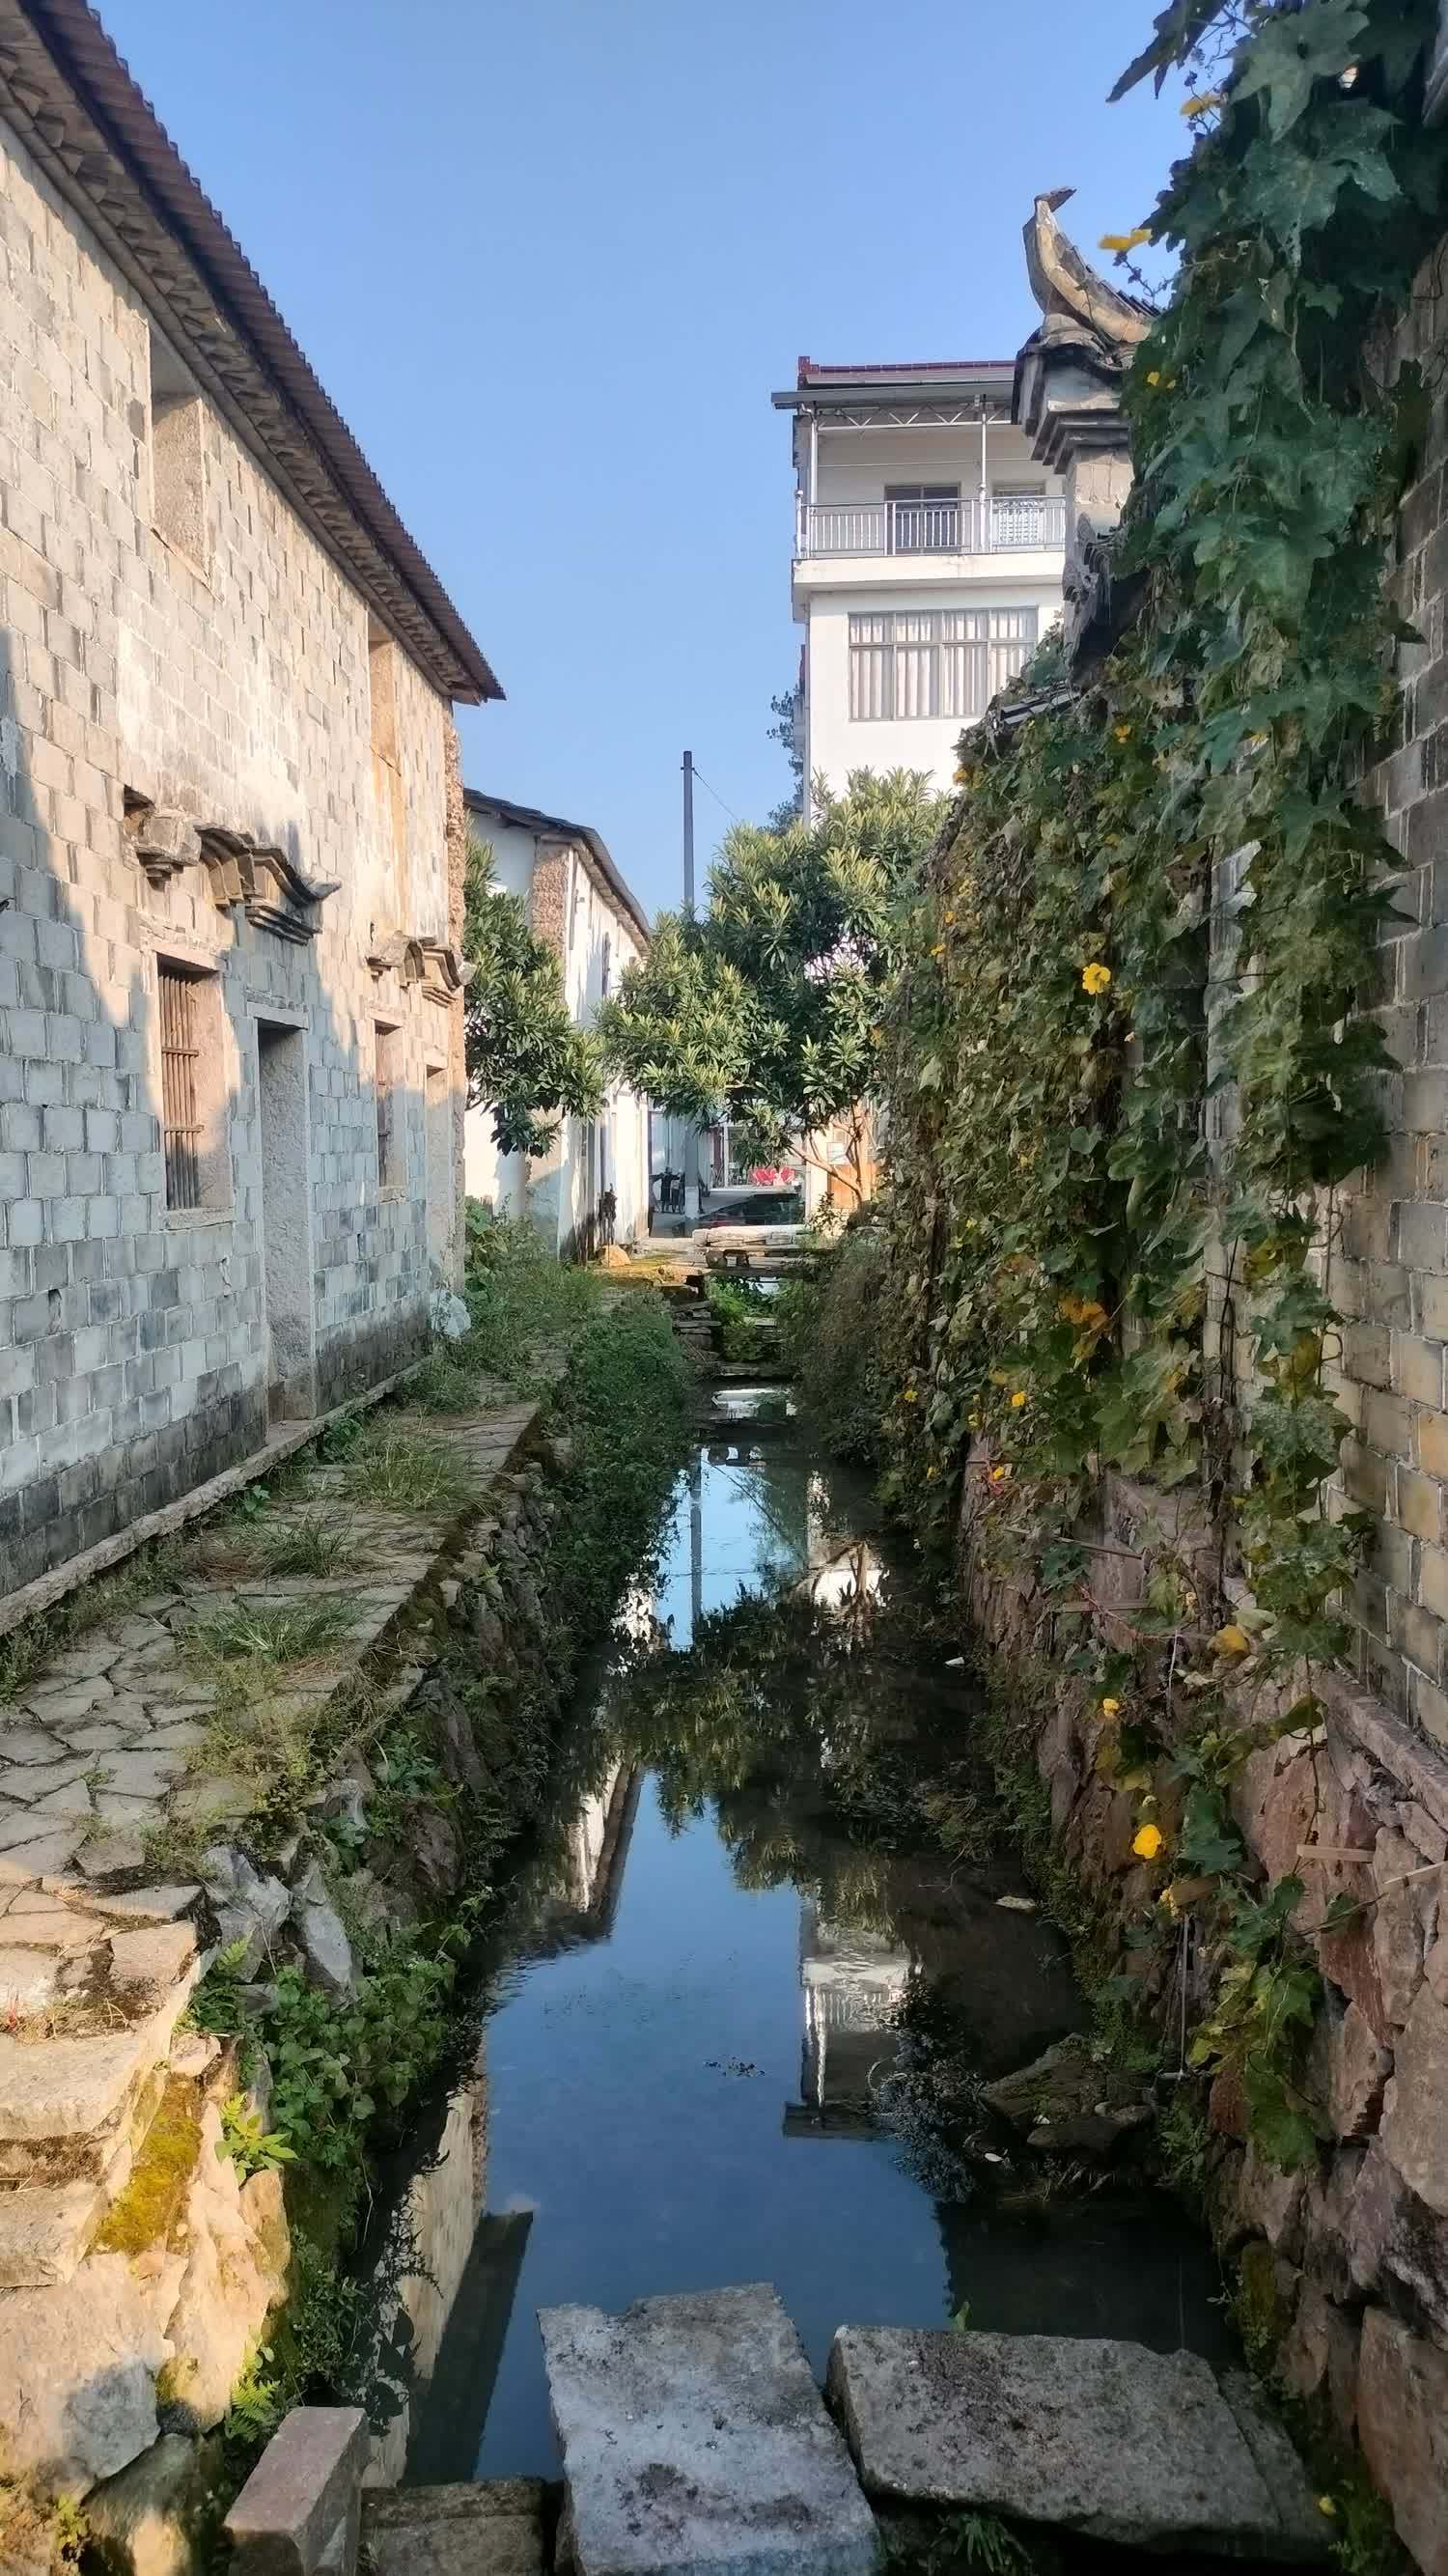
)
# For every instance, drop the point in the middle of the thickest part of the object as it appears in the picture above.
(271, 1632)
(399, 1471)
(309, 1543)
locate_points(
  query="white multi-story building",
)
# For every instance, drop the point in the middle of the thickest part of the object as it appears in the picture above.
(928, 554)
(578, 902)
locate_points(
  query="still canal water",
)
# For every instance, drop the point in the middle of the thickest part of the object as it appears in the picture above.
(696, 2023)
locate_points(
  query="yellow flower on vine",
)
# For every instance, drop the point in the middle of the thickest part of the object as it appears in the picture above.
(1122, 732)
(1096, 977)
(1127, 241)
(1203, 106)
(998, 1475)
(911, 1395)
(930, 1474)
(1018, 1399)
(937, 952)
(1326, 2505)
(1147, 1842)
(1154, 376)
(1111, 1708)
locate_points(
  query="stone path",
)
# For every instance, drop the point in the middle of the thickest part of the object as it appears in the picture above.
(110, 1752)
(694, 2438)
(1139, 2448)
(500, 2528)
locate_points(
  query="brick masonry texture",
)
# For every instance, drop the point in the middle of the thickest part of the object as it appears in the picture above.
(136, 1354)
(1389, 1262)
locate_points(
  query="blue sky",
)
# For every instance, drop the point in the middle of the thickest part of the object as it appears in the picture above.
(550, 257)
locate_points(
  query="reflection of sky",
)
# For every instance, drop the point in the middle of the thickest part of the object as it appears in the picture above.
(651, 2169)
(638, 2086)
(739, 1524)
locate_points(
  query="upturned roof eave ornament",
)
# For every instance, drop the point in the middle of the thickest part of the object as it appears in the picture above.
(1067, 288)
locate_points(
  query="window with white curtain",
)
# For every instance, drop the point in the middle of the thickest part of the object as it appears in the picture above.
(934, 662)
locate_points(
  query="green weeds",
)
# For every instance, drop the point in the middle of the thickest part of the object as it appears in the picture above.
(269, 1632)
(403, 1471)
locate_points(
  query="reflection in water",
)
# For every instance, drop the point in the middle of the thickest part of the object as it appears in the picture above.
(728, 1920)
(854, 1981)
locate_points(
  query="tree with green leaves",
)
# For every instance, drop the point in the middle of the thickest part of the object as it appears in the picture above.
(526, 1059)
(767, 1011)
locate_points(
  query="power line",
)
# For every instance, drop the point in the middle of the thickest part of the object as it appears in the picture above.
(714, 792)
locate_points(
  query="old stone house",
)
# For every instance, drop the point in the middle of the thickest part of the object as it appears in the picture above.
(231, 1080)
(579, 904)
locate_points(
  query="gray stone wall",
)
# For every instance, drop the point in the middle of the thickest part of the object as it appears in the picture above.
(1390, 1265)
(228, 680)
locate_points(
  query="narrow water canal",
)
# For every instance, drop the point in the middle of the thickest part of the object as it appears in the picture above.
(702, 2062)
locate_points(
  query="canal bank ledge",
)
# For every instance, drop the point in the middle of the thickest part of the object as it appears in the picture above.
(296, 1781)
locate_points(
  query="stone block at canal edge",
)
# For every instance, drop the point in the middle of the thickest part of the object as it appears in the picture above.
(1108, 2439)
(695, 2442)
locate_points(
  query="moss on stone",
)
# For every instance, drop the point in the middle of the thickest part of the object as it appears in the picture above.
(1262, 2314)
(145, 2212)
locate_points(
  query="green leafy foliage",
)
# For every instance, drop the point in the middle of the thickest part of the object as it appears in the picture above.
(1073, 1279)
(250, 2147)
(769, 1008)
(526, 1059)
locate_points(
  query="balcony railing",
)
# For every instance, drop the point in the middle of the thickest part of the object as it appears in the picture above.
(1002, 523)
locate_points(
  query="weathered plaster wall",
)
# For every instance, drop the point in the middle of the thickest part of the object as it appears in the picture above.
(230, 682)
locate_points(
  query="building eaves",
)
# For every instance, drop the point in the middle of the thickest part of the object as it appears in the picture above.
(826, 388)
(66, 91)
(531, 818)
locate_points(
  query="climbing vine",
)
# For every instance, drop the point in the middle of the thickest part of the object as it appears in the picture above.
(1133, 1060)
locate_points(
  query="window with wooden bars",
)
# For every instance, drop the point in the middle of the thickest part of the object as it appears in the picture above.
(934, 662)
(183, 1124)
(389, 1153)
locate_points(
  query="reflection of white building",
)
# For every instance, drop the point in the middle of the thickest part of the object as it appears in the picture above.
(844, 1569)
(852, 1980)
(585, 1895)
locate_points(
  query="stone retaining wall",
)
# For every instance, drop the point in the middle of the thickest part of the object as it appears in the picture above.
(137, 2271)
(1347, 2264)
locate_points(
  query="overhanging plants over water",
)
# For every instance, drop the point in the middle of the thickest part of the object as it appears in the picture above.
(1076, 1277)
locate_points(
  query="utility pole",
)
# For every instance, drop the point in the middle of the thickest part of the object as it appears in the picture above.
(689, 834)
(691, 1140)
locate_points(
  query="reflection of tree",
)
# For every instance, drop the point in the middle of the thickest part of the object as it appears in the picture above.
(799, 1718)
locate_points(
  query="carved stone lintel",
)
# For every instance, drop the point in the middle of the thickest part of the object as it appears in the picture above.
(433, 963)
(165, 841)
(270, 887)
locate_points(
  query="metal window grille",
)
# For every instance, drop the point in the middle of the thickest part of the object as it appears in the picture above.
(942, 662)
(180, 1087)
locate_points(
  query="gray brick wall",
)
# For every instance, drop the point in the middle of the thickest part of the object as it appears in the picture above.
(134, 1348)
(1389, 1265)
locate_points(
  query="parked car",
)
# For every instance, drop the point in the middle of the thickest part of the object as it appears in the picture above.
(781, 1205)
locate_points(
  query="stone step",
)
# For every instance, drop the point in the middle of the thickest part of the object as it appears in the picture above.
(1140, 2449)
(695, 2442)
(45, 2231)
(501, 2528)
(69, 2106)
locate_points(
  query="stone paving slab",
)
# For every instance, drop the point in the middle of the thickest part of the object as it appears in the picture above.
(1104, 2438)
(498, 2528)
(695, 2442)
(98, 1752)
(106, 1746)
